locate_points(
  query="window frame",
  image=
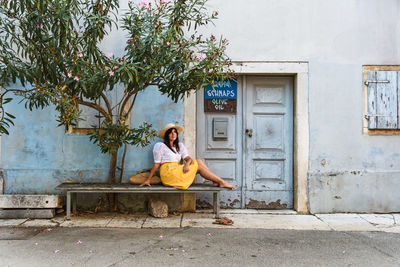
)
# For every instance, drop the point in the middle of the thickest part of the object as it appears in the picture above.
(78, 130)
(365, 129)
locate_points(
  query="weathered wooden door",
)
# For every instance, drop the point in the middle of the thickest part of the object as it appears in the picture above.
(268, 142)
(257, 154)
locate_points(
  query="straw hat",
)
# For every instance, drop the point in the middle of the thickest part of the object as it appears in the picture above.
(169, 126)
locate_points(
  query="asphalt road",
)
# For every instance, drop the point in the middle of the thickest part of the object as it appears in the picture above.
(195, 247)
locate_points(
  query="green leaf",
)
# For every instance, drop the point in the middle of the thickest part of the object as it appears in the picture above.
(3, 130)
(10, 115)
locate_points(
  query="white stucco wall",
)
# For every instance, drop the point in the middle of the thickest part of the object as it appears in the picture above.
(336, 38)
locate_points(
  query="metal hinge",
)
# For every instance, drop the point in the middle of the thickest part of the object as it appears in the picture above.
(367, 116)
(375, 81)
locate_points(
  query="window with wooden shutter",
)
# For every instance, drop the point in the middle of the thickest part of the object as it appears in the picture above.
(382, 100)
(381, 111)
(91, 117)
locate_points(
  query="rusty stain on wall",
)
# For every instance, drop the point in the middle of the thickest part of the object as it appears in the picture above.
(234, 202)
(255, 204)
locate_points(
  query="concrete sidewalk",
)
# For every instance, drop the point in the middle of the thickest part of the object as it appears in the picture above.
(245, 219)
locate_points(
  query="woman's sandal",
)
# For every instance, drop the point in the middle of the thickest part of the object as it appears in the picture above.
(224, 221)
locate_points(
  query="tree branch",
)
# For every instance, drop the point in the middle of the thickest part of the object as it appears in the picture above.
(96, 107)
(107, 103)
(16, 91)
(133, 103)
(128, 96)
(123, 163)
(126, 100)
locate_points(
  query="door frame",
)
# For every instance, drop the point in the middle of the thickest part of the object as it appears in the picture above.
(301, 135)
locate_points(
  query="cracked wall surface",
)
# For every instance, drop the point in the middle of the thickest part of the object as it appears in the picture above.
(38, 155)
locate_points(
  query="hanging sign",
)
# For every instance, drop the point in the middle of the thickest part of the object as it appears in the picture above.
(221, 97)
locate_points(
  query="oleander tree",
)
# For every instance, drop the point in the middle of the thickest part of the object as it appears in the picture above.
(52, 48)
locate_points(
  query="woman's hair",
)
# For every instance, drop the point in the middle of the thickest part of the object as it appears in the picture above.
(176, 142)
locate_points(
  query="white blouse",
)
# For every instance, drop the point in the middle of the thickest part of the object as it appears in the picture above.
(162, 153)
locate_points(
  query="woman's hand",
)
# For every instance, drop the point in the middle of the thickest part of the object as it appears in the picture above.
(188, 161)
(186, 168)
(147, 182)
(152, 171)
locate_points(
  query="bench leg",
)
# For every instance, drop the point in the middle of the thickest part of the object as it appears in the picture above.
(68, 205)
(74, 200)
(216, 204)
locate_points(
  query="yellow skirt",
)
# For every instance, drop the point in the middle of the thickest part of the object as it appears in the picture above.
(171, 174)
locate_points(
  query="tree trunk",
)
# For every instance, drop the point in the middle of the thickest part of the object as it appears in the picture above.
(113, 167)
(112, 197)
(122, 164)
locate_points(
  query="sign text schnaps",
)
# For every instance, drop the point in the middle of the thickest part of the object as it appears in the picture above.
(221, 97)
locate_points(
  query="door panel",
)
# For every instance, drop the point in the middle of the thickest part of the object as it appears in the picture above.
(226, 169)
(268, 175)
(269, 95)
(268, 116)
(268, 132)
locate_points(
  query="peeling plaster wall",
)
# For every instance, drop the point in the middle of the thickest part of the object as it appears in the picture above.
(38, 155)
(354, 192)
(336, 38)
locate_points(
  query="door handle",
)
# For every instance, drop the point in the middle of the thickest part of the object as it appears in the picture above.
(249, 132)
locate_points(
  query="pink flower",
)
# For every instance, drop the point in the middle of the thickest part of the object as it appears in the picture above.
(111, 73)
(76, 78)
(168, 43)
(69, 74)
(200, 56)
(110, 54)
(165, 1)
(143, 3)
(80, 54)
(115, 67)
(41, 26)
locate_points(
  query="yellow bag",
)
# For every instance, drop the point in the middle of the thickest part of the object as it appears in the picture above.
(142, 176)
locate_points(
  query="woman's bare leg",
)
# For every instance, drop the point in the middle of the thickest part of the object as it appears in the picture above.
(205, 172)
(204, 166)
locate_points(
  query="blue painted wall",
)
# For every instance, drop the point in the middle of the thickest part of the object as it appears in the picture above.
(38, 155)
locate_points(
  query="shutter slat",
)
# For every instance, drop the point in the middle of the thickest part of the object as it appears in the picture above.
(372, 100)
(398, 99)
(386, 94)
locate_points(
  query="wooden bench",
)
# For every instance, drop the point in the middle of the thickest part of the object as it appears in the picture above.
(73, 188)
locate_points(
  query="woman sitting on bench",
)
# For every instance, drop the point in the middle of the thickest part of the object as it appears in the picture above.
(169, 154)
